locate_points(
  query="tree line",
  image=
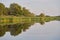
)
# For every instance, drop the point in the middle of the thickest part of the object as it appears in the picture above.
(15, 10)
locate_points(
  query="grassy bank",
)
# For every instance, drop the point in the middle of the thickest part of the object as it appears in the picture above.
(21, 19)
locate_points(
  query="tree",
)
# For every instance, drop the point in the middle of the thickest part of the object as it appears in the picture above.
(42, 15)
(2, 9)
(7, 11)
(26, 12)
(15, 9)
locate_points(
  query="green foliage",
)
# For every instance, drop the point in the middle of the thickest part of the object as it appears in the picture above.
(2, 9)
(16, 13)
(42, 15)
(15, 9)
(7, 11)
(26, 12)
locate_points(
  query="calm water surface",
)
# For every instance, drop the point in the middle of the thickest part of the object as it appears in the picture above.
(35, 31)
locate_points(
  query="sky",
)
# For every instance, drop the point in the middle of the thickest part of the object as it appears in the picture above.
(49, 7)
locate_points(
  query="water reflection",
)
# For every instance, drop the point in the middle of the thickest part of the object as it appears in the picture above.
(16, 29)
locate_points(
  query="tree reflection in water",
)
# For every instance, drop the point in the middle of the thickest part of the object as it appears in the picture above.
(14, 29)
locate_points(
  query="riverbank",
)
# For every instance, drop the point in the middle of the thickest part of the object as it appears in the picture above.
(20, 19)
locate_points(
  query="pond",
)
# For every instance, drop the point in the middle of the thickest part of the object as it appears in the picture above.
(31, 31)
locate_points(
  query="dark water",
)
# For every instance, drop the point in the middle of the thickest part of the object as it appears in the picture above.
(31, 31)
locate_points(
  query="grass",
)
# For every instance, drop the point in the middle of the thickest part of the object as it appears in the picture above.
(13, 19)
(20, 19)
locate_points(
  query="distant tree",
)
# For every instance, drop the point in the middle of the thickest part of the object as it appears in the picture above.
(42, 15)
(47, 16)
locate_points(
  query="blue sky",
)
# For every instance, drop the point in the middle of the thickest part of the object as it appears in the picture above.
(49, 7)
